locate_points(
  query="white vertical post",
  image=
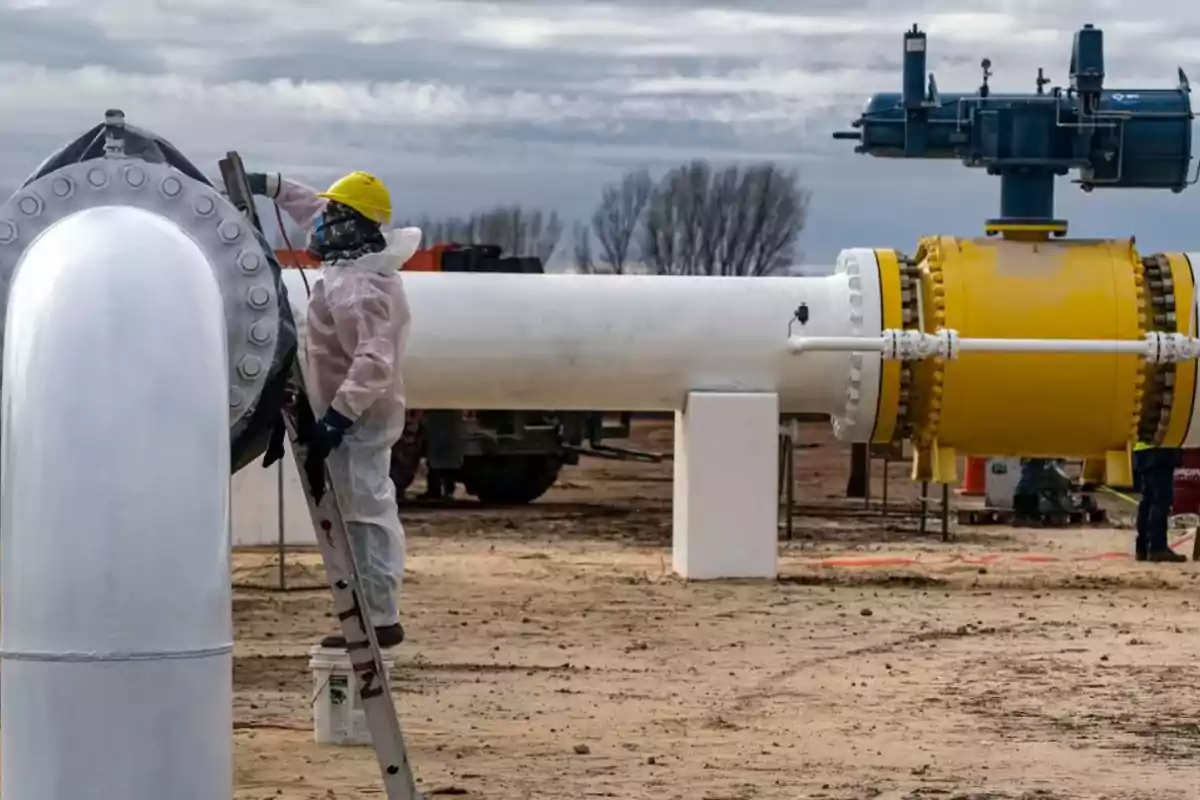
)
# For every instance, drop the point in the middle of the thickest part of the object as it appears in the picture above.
(726, 512)
(258, 516)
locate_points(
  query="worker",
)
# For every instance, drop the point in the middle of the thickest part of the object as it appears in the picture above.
(444, 437)
(356, 328)
(1154, 471)
(1034, 483)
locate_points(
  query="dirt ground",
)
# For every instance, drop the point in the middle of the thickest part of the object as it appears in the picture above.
(551, 654)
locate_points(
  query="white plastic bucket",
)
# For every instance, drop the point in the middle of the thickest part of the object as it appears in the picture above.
(338, 716)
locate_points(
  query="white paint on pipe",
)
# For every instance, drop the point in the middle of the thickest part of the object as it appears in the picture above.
(631, 342)
(837, 344)
(114, 552)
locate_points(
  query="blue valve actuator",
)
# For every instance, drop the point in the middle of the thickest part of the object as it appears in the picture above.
(1113, 138)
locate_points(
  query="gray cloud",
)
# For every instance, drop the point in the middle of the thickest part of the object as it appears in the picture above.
(460, 105)
(39, 36)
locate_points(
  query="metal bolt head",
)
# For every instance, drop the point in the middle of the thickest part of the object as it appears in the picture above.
(258, 297)
(30, 206)
(249, 262)
(204, 206)
(97, 177)
(229, 231)
(135, 176)
(171, 186)
(236, 398)
(260, 333)
(8, 232)
(250, 367)
(62, 187)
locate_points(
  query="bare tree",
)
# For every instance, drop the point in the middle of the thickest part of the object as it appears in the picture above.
(616, 220)
(548, 237)
(581, 240)
(517, 231)
(443, 231)
(735, 221)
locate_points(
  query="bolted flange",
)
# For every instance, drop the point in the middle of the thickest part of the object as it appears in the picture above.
(861, 270)
(237, 258)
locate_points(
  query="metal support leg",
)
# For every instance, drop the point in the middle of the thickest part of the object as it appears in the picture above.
(787, 474)
(791, 485)
(867, 476)
(924, 507)
(782, 465)
(886, 462)
(282, 527)
(945, 512)
(855, 484)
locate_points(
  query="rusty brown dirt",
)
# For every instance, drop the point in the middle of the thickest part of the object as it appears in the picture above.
(551, 654)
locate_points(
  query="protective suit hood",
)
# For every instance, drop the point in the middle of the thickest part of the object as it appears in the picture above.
(401, 245)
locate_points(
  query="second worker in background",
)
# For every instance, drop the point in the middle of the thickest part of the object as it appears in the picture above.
(1154, 469)
(356, 329)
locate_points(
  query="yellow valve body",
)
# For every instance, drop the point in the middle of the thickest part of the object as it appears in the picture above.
(1085, 405)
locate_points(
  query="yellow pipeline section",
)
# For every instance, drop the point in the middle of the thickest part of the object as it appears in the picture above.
(1050, 405)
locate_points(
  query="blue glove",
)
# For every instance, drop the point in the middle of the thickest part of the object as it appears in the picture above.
(325, 437)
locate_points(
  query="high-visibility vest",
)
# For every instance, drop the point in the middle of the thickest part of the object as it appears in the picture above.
(1143, 446)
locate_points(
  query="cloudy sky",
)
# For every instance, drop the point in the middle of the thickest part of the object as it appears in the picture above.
(462, 105)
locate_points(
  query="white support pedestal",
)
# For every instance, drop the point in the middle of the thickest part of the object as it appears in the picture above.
(254, 506)
(726, 522)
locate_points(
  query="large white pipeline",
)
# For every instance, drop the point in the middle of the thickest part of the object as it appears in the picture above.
(114, 583)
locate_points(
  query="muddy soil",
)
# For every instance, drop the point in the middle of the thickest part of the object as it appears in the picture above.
(551, 654)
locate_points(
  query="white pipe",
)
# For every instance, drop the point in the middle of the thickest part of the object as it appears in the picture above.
(114, 551)
(837, 344)
(625, 342)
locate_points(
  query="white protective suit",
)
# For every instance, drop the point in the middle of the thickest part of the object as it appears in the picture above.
(355, 331)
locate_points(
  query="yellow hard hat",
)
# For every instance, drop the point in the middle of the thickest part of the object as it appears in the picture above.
(363, 192)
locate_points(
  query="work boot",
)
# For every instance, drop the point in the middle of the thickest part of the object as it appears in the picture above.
(386, 635)
(1167, 556)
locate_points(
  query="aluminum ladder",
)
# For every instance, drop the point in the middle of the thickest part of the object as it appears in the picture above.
(370, 677)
